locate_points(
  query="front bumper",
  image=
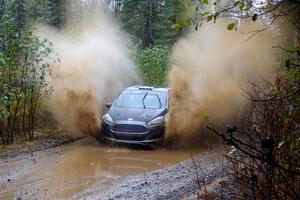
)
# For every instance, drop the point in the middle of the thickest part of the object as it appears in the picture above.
(132, 132)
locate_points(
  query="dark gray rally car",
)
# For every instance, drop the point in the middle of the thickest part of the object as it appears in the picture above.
(137, 116)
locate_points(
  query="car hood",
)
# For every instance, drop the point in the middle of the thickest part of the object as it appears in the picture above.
(135, 114)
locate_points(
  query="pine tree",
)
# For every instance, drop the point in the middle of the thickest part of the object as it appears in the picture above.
(18, 9)
(163, 28)
(150, 21)
(22, 68)
(58, 12)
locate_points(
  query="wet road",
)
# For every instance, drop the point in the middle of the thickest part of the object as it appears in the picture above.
(64, 171)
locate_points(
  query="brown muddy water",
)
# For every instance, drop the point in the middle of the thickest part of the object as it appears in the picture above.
(66, 171)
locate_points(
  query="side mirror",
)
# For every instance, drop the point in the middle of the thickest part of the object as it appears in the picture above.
(108, 105)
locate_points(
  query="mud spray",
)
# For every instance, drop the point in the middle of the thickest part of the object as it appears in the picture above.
(94, 66)
(211, 66)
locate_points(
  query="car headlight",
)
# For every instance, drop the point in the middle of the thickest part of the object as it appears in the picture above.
(107, 119)
(157, 121)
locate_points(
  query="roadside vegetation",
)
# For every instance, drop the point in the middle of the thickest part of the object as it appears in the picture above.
(22, 69)
(154, 64)
(265, 145)
(24, 58)
(152, 27)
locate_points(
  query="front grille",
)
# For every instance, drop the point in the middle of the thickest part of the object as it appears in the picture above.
(129, 128)
(129, 137)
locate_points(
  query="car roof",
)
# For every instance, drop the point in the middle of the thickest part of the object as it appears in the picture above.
(148, 88)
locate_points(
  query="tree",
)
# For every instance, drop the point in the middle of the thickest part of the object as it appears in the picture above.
(23, 70)
(151, 21)
(266, 161)
(154, 64)
(58, 9)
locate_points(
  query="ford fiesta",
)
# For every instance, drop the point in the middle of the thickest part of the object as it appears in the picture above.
(137, 116)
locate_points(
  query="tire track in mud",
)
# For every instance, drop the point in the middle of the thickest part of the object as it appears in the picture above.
(174, 182)
(87, 169)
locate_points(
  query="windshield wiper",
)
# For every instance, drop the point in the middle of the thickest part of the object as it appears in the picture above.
(160, 105)
(144, 99)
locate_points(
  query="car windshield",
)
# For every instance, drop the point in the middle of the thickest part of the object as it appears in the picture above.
(138, 99)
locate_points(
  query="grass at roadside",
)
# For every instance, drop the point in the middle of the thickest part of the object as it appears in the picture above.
(43, 139)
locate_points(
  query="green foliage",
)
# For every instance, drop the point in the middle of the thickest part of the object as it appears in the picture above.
(23, 69)
(151, 22)
(231, 26)
(275, 112)
(294, 74)
(153, 65)
(40, 10)
(240, 5)
(209, 18)
(199, 11)
(205, 2)
(23, 87)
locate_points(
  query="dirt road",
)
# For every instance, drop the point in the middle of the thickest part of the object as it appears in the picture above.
(89, 170)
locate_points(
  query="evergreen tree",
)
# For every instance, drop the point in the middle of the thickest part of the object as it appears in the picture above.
(40, 11)
(22, 70)
(164, 29)
(150, 21)
(18, 8)
(58, 10)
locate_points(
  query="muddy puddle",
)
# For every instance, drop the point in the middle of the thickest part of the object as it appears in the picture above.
(89, 157)
(78, 166)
